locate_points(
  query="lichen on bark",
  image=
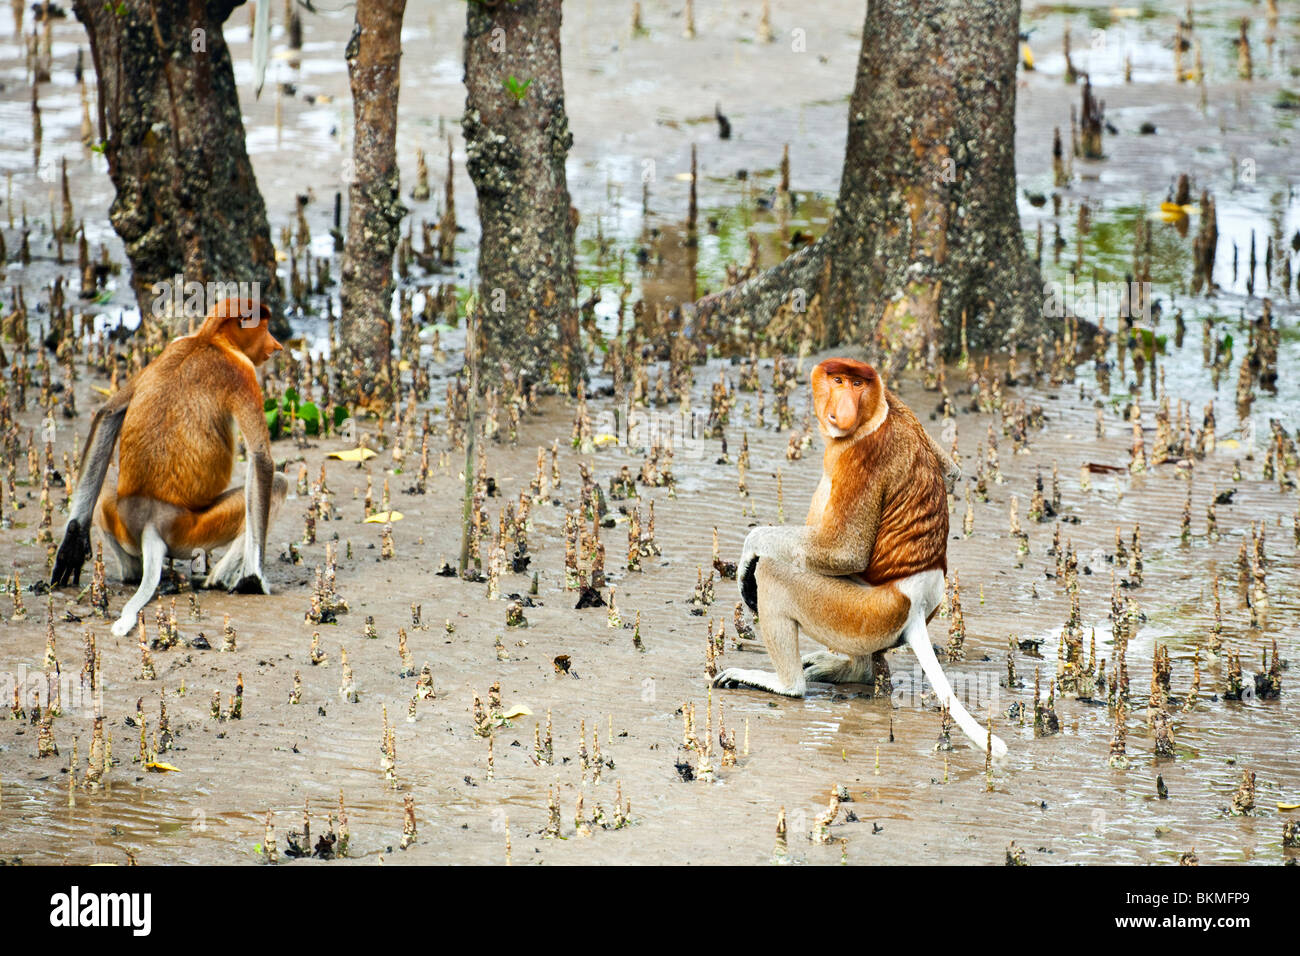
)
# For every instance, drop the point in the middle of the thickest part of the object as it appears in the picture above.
(517, 139)
(926, 228)
(375, 211)
(187, 201)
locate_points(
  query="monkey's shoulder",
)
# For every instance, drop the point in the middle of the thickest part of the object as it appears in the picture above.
(197, 362)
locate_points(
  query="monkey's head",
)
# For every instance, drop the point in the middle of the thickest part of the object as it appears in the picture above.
(245, 323)
(847, 396)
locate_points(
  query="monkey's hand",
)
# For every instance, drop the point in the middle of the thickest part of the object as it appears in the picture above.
(779, 544)
(72, 554)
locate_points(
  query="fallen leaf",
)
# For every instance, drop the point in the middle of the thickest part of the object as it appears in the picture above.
(158, 766)
(518, 710)
(382, 517)
(352, 454)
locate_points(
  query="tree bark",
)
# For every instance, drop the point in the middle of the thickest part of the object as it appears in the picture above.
(187, 200)
(517, 137)
(375, 211)
(926, 228)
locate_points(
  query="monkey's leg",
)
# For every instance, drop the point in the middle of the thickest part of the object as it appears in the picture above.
(153, 549)
(852, 618)
(223, 524)
(780, 629)
(118, 535)
(130, 568)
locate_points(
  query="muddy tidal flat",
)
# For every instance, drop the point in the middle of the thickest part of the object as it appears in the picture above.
(1125, 566)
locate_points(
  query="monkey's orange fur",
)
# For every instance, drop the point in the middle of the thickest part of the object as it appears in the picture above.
(865, 572)
(886, 481)
(178, 441)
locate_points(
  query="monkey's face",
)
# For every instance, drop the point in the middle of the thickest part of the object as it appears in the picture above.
(846, 396)
(249, 326)
(264, 345)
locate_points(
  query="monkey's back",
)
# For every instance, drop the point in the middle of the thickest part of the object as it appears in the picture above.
(913, 532)
(177, 443)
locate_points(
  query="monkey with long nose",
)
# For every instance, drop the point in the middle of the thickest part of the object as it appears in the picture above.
(866, 572)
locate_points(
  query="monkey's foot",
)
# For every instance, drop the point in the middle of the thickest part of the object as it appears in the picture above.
(71, 555)
(760, 680)
(250, 584)
(825, 667)
(231, 576)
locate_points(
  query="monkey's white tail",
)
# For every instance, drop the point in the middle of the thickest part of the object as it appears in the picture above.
(918, 639)
(152, 551)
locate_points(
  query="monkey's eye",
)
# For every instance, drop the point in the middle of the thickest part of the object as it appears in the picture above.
(857, 383)
(839, 380)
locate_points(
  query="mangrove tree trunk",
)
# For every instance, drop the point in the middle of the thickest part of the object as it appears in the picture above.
(517, 137)
(187, 201)
(375, 212)
(926, 234)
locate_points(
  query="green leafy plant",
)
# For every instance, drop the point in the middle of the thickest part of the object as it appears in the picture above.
(517, 89)
(1150, 343)
(290, 407)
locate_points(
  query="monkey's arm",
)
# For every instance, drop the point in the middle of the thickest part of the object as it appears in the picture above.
(95, 459)
(840, 544)
(257, 490)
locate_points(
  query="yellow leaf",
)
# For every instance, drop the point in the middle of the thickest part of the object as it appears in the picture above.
(404, 365)
(1027, 55)
(1228, 443)
(382, 517)
(101, 390)
(158, 766)
(352, 454)
(518, 710)
(1288, 806)
(605, 439)
(1172, 212)
(281, 256)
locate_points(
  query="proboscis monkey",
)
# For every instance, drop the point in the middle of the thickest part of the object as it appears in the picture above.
(176, 423)
(866, 572)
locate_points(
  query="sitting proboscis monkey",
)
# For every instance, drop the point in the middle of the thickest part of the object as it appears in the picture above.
(176, 424)
(866, 572)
